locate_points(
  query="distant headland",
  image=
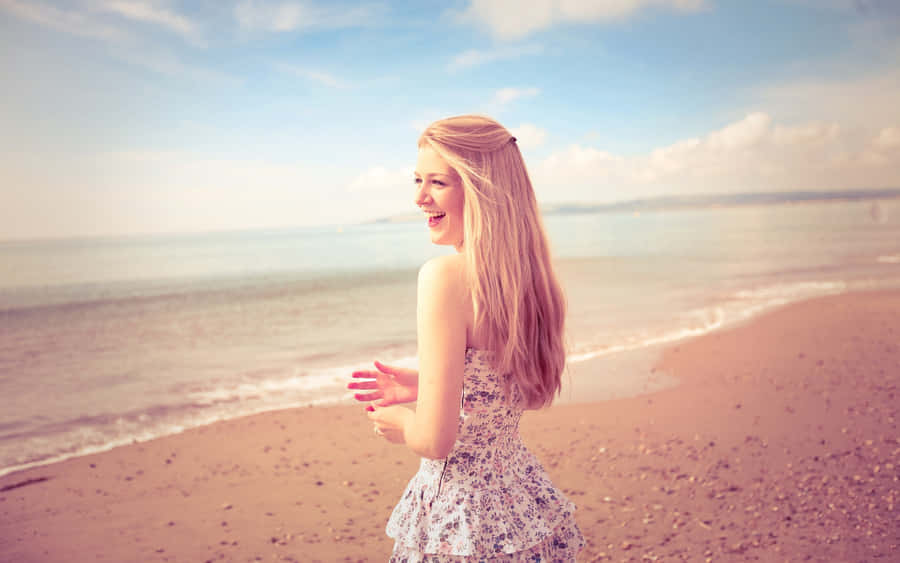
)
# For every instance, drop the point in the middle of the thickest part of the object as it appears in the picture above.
(661, 203)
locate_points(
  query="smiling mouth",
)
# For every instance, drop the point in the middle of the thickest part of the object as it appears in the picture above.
(434, 217)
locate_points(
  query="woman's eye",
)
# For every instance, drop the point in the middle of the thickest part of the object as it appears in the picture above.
(418, 180)
(438, 182)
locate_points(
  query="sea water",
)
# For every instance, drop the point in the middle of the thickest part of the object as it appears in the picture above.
(110, 340)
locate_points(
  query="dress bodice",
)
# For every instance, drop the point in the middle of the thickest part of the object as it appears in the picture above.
(488, 417)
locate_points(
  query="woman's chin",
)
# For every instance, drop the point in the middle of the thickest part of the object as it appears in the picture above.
(443, 239)
(438, 237)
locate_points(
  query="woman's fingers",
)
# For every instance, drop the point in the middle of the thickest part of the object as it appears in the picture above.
(368, 396)
(379, 382)
(362, 385)
(368, 374)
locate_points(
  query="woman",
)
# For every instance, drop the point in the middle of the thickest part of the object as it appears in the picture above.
(490, 338)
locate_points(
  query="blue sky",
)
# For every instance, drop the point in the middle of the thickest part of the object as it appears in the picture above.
(156, 116)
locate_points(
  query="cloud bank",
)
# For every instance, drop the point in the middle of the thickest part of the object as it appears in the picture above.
(513, 19)
(752, 154)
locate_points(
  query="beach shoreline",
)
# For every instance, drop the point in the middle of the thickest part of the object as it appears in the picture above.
(626, 370)
(779, 442)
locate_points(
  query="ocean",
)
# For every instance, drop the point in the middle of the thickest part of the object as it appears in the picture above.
(108, 341)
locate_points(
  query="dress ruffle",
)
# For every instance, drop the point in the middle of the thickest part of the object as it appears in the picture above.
(479, 512)
(562, 547)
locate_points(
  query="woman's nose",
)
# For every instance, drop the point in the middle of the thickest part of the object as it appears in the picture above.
(421, 194)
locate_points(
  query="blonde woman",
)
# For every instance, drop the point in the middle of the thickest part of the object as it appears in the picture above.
(490, 345)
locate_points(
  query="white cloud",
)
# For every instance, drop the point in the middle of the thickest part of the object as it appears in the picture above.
(868, 101)
(511, 19)
(612, 10)
(810, 134)
(888, 139)
(264, 15)
(884, 148)
(148, 12)
(476, 57)
(163, 61)
(529, 136)
(380, 178)
(505, 96)
(573, 172)
(285, 16)
(741, 135)
(319, 76)
(68, 21)
(752, 154)
(88, 21)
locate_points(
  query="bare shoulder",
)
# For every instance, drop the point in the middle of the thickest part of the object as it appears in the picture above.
(449, 268)
(444, 276)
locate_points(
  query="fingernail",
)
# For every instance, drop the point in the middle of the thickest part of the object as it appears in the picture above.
(370, 408)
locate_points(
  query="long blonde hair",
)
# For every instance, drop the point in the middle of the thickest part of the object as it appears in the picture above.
(517, 299)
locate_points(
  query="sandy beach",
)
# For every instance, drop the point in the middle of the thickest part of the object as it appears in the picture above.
(779, 444)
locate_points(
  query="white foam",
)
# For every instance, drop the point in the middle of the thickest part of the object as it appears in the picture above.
(245, 391)
(308, 384)
(97, 443)
(742, 305)
(710, 319)
(128, 432)
(224, 401)
(792, 291)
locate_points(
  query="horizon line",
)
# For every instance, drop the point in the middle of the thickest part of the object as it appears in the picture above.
(664, 203)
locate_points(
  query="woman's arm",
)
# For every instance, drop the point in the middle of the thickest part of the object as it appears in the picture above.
(441, 328)
(430, 430)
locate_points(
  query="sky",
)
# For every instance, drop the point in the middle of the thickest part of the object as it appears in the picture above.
(125, 117)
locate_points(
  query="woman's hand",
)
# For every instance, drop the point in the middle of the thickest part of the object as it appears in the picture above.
(392, 385)
(389, 422)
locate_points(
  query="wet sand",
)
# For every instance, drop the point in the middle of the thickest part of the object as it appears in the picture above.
(780, 444)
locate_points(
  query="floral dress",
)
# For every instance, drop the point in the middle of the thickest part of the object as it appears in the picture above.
(489, 499)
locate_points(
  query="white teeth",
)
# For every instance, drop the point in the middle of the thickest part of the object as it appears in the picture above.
(432, 214)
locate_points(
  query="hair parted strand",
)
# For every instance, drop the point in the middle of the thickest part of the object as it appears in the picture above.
(517, 299)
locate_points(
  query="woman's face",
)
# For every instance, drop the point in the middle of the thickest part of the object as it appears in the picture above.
(439, 193)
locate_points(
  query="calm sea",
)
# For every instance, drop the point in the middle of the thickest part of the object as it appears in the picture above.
(108, 341)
